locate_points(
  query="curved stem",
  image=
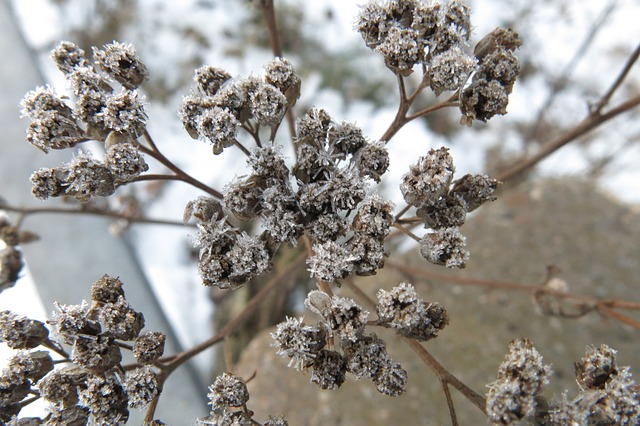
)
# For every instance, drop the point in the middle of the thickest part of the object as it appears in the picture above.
(269, 15)
(235, 323)
(26, 211)
(154, 152)
(406, 231)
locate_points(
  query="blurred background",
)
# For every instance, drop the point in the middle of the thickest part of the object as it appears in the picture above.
(577, 210)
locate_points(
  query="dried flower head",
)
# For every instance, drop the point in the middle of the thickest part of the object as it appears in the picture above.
(391, 380)
(209, 79)
(119, 320)
(228, 390)
(149, 346)
(331, 261)
(20, 332)
(300, 342)
(68, 56)
(141, 386)
(106, 400)
(125, 161)
(281, 74)
(11, 264)
(52, 123)
(121, 62)
(402, 309)
(445, 246)
(329, 369)
(366, 356)
(73, 320)
(596, 368)
(124, 112)
(374, 217)
(429, 178)
(60, 387)
(218, 126)
(204, 209)
(521, 377)
(268, 105)
(97, 354)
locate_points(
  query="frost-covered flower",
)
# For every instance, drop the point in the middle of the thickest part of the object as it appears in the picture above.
(106, 399)
(299, 342)
(219, 126)
(124, 112)
(228, 390)
(141, 386)
(125, 161)
(68, 56)
(20, 332)
(331, 261)
(521, 377)
(402, 309)
(121, 62)
(429, 178)
(445, 246)
(209, 79)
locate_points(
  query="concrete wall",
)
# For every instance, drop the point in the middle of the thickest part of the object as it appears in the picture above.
(74, 250)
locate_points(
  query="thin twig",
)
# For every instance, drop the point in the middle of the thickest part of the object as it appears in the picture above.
(236, 322)
(452, 408)
(154, 152)
(616, 84)
(592, 121)
(269, 15)
(606, 307)
(560, 81)
(91, 212)
(595, 118)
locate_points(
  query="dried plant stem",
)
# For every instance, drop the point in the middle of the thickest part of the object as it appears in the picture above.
(90, 211)
(150, 414)
(269, 15)
(446, 377)
(595, 118)
(406, 102)
(443, 375)
(605, 307)
(233, 325)
(154, 152)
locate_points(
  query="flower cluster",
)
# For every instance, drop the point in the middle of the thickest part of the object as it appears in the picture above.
(221, 105)
(93, 387)
(487, 94)
(521, 377)
(608, 395)
(408, 32)
(334, 162)
(115, 118)
(443, 204)
(11, 262)
(229, 391)
(361, 354)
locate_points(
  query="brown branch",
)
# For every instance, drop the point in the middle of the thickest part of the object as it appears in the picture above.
(441, 373)
(269, 15)
(623, 74)
(560, 81)
(446, 377)
(452, 408)
(154, 152)
(235, 323)
(595, 118)
(592, 121)
(91, 212)
(606, 307)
